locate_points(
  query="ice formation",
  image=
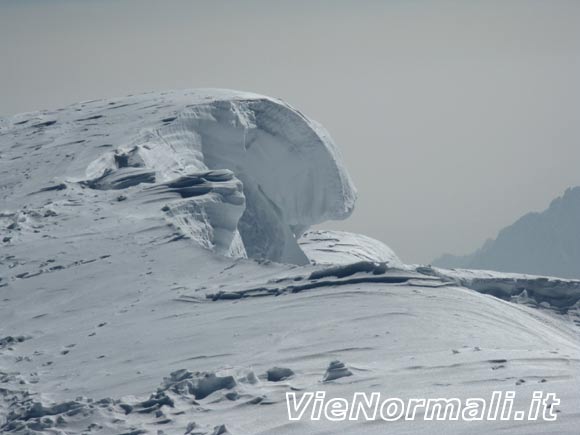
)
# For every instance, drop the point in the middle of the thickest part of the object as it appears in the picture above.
(240, 173)
(113, 321)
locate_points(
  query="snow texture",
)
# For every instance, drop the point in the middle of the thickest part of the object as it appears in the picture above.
(240, 173)
(340, 247)
(558, 294)
(116, 319)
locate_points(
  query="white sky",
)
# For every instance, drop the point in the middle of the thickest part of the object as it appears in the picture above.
(454, 117)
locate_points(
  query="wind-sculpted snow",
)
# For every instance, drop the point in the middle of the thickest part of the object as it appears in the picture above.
(114, 321)
(556, 294)
(341, 247)
(204, 206)
(169, 406)
(274, 172)
(548, 293)
(362, 272)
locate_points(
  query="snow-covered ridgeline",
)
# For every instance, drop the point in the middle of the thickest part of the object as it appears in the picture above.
(113, 321)
(559, 294)
(240, 173)
(341, 247)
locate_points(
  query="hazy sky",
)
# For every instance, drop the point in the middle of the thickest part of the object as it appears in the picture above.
(454, 117)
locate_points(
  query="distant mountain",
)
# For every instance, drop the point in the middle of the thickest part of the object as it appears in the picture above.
(546, 243)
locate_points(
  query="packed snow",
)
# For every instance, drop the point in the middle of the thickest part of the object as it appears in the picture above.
(341, 247)
(253, 171)
(128, 304)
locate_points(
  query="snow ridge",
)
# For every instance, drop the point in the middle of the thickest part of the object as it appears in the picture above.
(239, 173)
(341, 247)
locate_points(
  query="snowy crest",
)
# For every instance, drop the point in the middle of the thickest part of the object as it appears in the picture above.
(242, 174)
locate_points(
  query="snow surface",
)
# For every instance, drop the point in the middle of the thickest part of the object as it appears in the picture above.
(115, 319)
(547, 292)
(341, 247)
(546, 243)
(272, 172)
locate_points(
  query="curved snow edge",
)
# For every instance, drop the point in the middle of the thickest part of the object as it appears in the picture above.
(290, 169)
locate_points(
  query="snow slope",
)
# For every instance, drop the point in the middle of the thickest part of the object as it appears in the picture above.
(545, 292)
(546, 243)
(115, 319)
(341, 247)
(220, 164)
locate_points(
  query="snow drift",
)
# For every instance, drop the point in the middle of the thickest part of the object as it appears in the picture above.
(341, 247)
(240, 173)
(113, 320)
